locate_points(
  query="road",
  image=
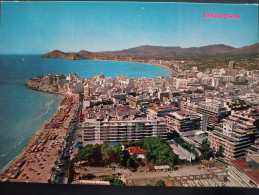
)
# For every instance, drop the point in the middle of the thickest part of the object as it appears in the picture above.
(62, 164)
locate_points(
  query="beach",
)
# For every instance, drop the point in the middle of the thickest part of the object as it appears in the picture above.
(38, 165)
(36, 162)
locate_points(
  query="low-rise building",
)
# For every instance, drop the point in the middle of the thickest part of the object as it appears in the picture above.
(245, 172)
(136, 150)
(160, 111)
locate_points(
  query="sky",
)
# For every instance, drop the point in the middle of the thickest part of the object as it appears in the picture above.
(40, 27)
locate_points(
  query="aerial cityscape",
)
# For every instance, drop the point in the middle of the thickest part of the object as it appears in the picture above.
(193, 128)
(185, 116)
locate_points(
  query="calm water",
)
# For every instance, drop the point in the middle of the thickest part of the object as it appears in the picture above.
(24, 111)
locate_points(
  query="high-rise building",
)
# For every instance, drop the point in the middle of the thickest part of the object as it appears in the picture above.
(235, 134)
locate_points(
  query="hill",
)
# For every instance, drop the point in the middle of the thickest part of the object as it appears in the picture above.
(159, 52)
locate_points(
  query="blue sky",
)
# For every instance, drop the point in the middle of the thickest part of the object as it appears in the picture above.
(40, 27)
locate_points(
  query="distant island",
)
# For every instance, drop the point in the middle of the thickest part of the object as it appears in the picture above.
(159, 52)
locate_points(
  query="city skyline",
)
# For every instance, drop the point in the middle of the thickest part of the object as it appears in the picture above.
(40, 27)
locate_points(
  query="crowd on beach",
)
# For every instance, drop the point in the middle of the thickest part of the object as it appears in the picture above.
(36, 162)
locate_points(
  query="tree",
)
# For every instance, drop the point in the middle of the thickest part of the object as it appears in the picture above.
(114, 181)
(220, 152)
(198, 91)
(160, 183)
(107, 153)
(71, 171)
(158, 151)
(118, 182)
(188, 147)
(134, 157)
(128, 163)
(86, 152)
(118, 153)
(205, 149)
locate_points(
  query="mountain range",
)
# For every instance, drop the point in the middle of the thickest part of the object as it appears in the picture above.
(160, 52)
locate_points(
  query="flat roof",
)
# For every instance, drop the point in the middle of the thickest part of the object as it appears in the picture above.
(246, 169)
(162, 108)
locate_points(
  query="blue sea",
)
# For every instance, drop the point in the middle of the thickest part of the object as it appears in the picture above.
(24, 111)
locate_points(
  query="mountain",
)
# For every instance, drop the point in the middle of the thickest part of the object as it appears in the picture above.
(251, 49)
(74, 55)
(59, 54)
(158, 52)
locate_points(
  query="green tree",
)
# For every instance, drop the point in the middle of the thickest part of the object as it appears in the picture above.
(119, 155)
(160, 183)
(86, 153)
(134, 157)
(220, 152)
(114, 181)
(118, 182)
(158, 151)
(188, 147)
(205, 149)
(71, 171)
(198, 91)
(128, 163)
(107, 154)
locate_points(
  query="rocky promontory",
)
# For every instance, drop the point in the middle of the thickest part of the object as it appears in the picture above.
(38, 84)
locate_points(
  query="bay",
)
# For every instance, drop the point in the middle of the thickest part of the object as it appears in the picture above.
(24, 111)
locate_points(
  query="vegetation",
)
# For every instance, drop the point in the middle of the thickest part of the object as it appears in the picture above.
(104, 155)
(206, 151)
(158, 151)
(88, 176)
(114, 181)
(220, 152)
(241, 83)
(160, 183)
(198, 91)
(188, 147)
(188, 92)
(71, 171)
(207, 87)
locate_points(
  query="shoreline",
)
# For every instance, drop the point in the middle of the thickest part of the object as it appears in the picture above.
(32, 140)
(26, 150)
(43, 128)
(153, 64)
(43, 151)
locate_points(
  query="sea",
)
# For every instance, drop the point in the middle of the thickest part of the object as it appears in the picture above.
(24, 111)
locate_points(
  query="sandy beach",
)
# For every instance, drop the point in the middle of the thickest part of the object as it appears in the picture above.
(40, 156)
(153, 64)
(42, 153)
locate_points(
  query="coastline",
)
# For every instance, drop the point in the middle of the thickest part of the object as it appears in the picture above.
(43, 151)
(153, 64)
(41, 130)
(33, 139)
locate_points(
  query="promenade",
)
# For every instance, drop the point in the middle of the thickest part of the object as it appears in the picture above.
(43, 152)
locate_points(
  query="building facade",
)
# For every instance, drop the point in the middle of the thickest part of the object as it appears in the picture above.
(122, 131)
